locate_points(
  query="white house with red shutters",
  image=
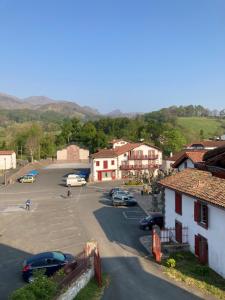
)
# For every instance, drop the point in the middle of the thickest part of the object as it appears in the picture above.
(123, 160)
(196, 199)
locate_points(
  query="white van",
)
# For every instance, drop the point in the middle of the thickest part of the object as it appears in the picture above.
(75, 180)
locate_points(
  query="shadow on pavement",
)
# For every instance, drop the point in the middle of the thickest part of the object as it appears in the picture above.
(10, 270)
(129, 280)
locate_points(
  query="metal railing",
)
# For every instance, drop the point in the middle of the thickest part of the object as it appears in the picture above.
(138, 167)
(142, 157)
(168, 235)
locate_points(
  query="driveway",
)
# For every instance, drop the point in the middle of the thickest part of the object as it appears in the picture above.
(58, 223)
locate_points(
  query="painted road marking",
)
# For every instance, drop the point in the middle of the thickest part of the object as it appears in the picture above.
(134, 215)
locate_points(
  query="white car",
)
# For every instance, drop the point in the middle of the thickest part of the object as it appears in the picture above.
(75, 180)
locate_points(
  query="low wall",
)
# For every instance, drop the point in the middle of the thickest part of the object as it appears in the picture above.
(77, 285)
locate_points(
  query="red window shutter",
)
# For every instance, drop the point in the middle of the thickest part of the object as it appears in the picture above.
(197, 245)
(105, 164)
(196, 211)
(97, 163)
(112, 162)
(178, 203)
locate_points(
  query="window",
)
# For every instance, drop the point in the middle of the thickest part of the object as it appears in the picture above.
(97, 163)
(178, 203)
(112, 162)
(105, 164)
(201, 213)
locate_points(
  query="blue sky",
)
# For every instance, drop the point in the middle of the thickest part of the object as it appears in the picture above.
(135, 55)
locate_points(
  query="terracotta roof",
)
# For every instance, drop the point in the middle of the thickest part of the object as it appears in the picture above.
(198, 184)
(6, 152)
(214, 153)
(175, 156)
(104, 153)
(207, 143)
(118, 150)
(127, 147)
(195, 156)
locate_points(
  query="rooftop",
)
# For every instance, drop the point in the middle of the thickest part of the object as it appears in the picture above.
(198, 184)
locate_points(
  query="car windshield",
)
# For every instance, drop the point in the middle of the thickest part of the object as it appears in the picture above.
(148, 218)
(59, 256)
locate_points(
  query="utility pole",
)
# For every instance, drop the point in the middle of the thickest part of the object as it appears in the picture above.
(5, 172)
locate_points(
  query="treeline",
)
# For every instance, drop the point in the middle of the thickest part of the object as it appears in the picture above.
(155, 128)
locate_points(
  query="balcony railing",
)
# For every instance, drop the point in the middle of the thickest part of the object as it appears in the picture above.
(138, 167)
(142, 157)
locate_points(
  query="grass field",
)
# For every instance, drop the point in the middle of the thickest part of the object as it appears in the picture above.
(191, 127)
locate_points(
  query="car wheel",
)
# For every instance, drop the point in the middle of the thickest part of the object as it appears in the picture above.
(30, 279)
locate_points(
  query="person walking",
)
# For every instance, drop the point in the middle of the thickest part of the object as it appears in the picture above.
(68, 193)
(28, 204)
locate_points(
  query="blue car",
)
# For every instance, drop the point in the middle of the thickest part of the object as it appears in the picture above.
(33, 173)
(50, 262)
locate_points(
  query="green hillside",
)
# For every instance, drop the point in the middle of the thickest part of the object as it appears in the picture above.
(191, 127)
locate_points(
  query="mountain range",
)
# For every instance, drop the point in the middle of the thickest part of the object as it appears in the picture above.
(44, 104)
(65, 108)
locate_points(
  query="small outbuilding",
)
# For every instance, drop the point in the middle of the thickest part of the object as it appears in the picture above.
(73, 153)
(7, 159)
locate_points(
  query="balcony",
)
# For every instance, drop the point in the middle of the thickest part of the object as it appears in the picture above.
(138, 167)
(142, 157)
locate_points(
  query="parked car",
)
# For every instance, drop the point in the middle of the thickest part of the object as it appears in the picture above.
(48, 261)
(112, 191)
(124, 202)
(153, 219)
(75, 180)
(26, 179)
(122, 194)
(33, 173)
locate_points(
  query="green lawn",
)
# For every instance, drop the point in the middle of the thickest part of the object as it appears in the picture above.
(191, 127)
(190, 271)
(91, 291)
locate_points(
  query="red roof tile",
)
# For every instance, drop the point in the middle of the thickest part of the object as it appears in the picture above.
(208, 143)
(198, 184)
(195, 156)
(6, 152)
(104, 153)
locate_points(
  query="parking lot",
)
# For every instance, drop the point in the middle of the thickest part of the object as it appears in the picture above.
(56, 222)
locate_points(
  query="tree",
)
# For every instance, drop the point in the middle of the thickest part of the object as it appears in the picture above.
(33, 140)
(174, 141)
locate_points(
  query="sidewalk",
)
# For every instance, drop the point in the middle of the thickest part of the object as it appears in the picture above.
(148, 203)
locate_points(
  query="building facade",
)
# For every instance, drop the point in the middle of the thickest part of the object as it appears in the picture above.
(124, 161)
(196, 199)
(7, 159)
(73, 153)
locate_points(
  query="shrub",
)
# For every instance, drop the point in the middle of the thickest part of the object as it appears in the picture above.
(179, 256)
(171, 263)
(23, 294)
(42, 287)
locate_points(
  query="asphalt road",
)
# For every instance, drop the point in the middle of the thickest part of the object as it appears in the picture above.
(58, 223)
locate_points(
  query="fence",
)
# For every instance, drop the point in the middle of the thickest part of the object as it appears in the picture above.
(168, 235)
(75, 269)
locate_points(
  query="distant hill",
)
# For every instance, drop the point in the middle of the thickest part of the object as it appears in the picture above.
(210, 127)
(45, 104)
(118, 113)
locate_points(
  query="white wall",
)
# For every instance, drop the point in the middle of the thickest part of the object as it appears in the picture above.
(119, 143)
(8, 161)
(214, 234)
(95, 169)
(189, 165)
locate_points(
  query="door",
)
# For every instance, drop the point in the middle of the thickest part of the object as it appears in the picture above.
(113, 175)
(178, 232)
(99, 176)
(203, 250)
